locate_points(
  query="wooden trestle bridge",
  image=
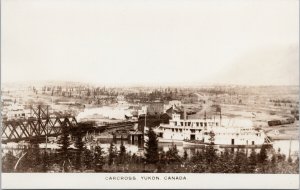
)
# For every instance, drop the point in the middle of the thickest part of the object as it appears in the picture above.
(43, 125)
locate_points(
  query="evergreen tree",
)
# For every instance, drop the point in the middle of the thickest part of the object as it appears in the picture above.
(122, 153)
(64, 144)
(280, 157)
(196, 157)
(200, 163)
(273, 163)
(162, 157)
(226, 162)
(151, 148)
(172, 155)
(262, 156)
(88, 158)
(99, 159)
(252, 162)
(45, 161)
(134, 159)
(274, 159)
(79, 144)
(25, 163)
(240, 162)
(111, 154)
(211, 158)
(31, 160)
(34, 153)
(8, 162)
(185, 155)
(210, 154)
(262, 160)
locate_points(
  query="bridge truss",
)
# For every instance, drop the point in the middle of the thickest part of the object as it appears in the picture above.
(40, 126)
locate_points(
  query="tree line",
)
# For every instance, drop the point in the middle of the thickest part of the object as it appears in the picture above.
(95, 159)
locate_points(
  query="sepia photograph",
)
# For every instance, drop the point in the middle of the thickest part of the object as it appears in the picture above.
(150, 94)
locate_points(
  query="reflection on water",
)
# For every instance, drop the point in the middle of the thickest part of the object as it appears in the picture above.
(133, 147)
(137, 146)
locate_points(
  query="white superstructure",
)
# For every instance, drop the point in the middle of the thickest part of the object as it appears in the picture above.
(217, 131)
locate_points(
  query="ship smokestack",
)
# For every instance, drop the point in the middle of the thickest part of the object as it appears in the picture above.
(184, 114)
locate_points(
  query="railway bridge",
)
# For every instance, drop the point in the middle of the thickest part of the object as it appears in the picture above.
(43, 125)
(40, 125)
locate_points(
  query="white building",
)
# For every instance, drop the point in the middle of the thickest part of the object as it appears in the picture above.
(121, 100)
(16, 111)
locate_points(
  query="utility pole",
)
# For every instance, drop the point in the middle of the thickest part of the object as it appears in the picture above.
(290, 147)
(145, 120)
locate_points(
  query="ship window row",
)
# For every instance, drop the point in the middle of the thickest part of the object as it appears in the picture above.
(226, 134)
(198, 124)
(191, 130)
(257, 134)
(246, 129)
(237, 134)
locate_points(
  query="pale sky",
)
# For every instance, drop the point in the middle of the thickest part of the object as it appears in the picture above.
(250, 42)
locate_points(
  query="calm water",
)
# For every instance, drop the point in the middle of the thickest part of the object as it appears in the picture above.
(137, 147)
(284, 146)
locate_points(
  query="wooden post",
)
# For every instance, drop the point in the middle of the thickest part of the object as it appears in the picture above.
(290, 147)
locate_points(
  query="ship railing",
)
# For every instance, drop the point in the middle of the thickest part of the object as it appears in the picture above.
(267, 140)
